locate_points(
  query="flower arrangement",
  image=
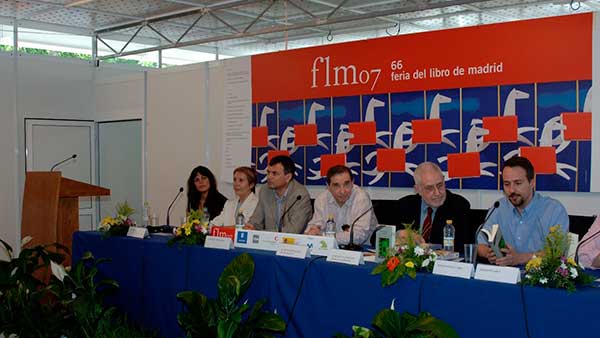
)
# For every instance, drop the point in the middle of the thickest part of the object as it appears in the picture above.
(552, 269)
(409, 258)
(193, 231)
(118, 225)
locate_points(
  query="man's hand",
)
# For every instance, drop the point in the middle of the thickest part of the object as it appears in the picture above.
(313, 230)
(249, 226)
(402, 237)
(512, 257)
(487, 252)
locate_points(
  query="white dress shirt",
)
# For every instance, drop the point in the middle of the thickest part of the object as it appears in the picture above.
(358, 203)
(227, 216)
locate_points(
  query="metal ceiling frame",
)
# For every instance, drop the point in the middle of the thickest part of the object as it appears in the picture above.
(329, 20)
(324, 19)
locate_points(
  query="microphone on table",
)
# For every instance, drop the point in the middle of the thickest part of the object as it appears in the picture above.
(169, 209)
(280, 225)
(74, 156)
(583, 242)
(351, 246)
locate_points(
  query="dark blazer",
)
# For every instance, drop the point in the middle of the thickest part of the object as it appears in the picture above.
(455, 208)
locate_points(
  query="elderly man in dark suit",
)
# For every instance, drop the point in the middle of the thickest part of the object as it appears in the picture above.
(431, 206)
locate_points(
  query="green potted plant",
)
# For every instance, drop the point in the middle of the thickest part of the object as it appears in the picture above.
(225, 317)
(69, 302)
(391, 324)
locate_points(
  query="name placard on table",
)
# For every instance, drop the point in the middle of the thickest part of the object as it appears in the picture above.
(137, 232)
(345, 257)
(453, 269)
(216, 242)
(494, 273)
(267, 240)
(293, 251)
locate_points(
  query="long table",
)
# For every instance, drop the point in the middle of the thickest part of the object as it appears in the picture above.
(327, 297)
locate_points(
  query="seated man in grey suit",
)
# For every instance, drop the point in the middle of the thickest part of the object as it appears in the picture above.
(284, 204)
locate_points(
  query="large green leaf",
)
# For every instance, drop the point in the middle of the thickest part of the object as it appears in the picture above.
(242, 268)
(388, 322)
(434, 327)
(226, 328)
(270, 322)
(379, 269)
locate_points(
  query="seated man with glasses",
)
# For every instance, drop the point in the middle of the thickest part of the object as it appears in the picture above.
(431, 206)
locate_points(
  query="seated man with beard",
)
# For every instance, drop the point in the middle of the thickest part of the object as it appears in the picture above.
(524, 216)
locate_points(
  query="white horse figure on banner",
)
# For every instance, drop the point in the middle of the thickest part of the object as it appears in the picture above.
(370, 116)
(263, 123)
(342, 146)
(475, 143)
(510, 109)
(312, 119)
(438, 100)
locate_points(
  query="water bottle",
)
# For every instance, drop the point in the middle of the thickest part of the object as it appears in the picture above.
(330, 227)
(205, 217)
(240, 220)
(449, 236)
(146, 214)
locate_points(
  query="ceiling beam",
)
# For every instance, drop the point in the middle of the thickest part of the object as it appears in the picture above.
(176, 14)
(311, 23)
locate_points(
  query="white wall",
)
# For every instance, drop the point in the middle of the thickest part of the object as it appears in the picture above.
(9, 190)
(41, 87)
(176, 133)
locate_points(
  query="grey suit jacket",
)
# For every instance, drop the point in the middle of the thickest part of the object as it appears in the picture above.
(294, 221)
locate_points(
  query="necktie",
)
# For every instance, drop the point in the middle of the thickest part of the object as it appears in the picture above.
(427, 225)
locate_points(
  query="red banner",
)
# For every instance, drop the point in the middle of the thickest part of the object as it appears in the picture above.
(478, 56)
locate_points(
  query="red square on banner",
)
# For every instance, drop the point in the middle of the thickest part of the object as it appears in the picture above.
(306, 134)
(427, 131)
(260, 137)
(579, 126)
(364, 132)
(502, 129)
(275, 153)
(391, 160)
(328, 161)
(464, 165)
(542, 158)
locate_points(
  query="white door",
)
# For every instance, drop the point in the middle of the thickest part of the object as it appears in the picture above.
(48, 142)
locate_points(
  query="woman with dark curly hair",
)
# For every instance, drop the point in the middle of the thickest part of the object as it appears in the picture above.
(202, 192)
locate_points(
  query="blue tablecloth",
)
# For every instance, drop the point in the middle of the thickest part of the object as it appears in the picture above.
(333, 297)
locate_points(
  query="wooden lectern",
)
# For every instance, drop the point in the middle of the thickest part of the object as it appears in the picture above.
(51, 207)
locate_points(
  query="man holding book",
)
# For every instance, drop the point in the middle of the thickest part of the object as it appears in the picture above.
(523, 216)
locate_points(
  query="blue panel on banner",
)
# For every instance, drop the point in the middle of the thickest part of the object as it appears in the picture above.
(405, 108)
(291, 113)
(554, 99)
(375, 108)
(585, 147)
(318, 111)
(476, 104)
(254, 151)
(267, 116)
(519, 100)
(445, 105)
(346, 110)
